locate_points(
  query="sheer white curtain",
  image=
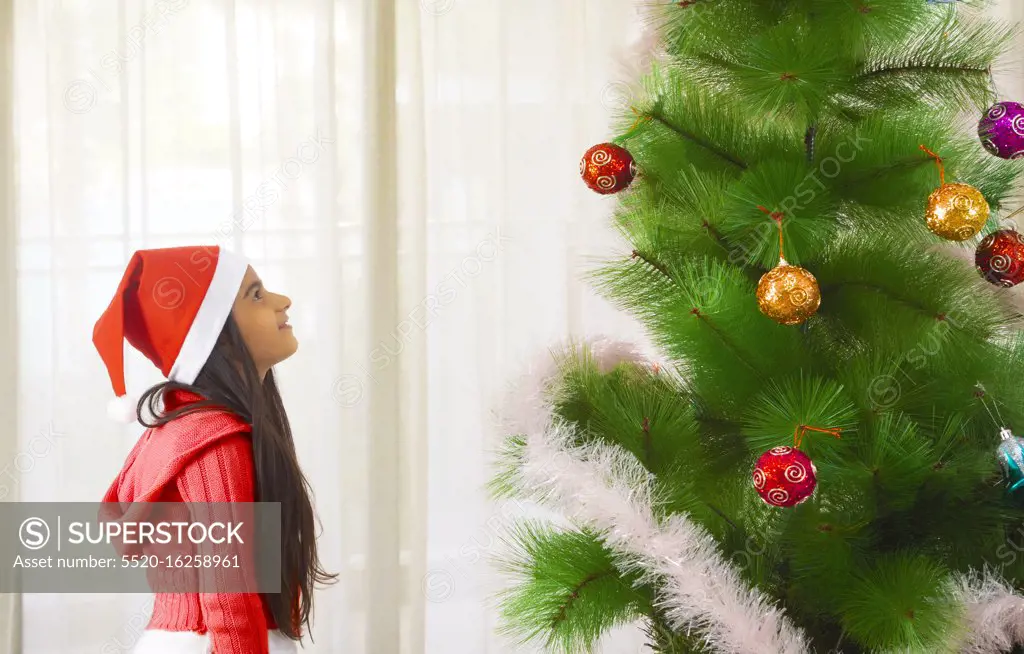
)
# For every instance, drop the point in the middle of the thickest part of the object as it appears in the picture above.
(1009, 75)
(9, 440)
(405, 170)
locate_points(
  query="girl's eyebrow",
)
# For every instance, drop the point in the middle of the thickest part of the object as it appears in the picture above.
(256, 284)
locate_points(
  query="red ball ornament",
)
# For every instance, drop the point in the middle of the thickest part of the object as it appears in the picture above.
(1000, 258)
(784, 476)
(607, 168)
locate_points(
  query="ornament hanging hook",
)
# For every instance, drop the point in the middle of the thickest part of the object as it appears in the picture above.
(938, 162)
(992, 83)
(640, 119)
(801, 431)
(997, 418)
(1017, 212)
(777, 217)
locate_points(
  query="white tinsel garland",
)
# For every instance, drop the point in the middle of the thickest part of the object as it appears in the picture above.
(527, 407)
(605, 487)
(994, 614)
(646, 49)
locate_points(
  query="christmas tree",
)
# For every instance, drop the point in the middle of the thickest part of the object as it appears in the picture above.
(822, 456)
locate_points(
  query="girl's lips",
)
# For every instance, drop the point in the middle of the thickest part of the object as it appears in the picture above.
(285, 326)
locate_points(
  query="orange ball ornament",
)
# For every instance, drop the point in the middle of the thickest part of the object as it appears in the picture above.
(788, 294)
(956, 212)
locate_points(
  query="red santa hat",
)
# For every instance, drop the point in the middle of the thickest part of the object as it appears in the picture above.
(171, 306)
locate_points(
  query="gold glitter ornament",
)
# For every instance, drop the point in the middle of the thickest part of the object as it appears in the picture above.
(956, 212)
(787, 294)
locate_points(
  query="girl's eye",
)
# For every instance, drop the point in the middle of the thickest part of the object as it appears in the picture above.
(258, 294)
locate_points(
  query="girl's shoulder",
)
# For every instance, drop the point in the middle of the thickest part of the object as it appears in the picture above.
(203, 424)
(194, 431)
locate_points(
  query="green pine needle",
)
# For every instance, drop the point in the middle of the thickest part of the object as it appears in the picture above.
(506, 482)
(632, 407)
(784, 406)
(899, 602)
(945, 62)
(567, 590)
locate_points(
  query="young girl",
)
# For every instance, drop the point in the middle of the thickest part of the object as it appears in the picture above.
(203, 317)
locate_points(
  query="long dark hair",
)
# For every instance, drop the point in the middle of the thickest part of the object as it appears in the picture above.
(229, 380)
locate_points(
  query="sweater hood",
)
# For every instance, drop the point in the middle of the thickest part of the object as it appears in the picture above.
(159, 456)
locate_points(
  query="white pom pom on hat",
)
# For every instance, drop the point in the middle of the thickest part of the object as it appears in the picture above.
(171, 306)
(123, 409)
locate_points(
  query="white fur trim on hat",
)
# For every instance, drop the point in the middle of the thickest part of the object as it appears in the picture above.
(210, 319)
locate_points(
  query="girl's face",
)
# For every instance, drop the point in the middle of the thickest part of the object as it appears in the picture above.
(261, 317)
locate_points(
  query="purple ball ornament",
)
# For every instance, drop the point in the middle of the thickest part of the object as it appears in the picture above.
(1002, 130)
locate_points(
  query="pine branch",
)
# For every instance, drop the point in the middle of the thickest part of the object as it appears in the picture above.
(890, 167)
(715, 235)
(722, 515)
(662, 639)
(889, 293)
(722, 424)
(575, 594)
(893, 71)
(697, 140)
(568, 592)
(648, 445)
(939, 63)
(726, 340)
(637, 254)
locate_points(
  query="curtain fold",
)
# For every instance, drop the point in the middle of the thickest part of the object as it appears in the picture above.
(384, 400)
(10, 603)
(412, 125)
(1009, 76)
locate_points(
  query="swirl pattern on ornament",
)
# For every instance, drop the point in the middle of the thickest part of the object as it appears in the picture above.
(795, 472)
(778, 496)
(601, 157)
(759, 479)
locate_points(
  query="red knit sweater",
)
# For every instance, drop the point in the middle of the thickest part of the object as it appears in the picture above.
(203, 457)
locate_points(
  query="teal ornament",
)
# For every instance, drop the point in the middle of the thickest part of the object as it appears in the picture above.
(1011, 459)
